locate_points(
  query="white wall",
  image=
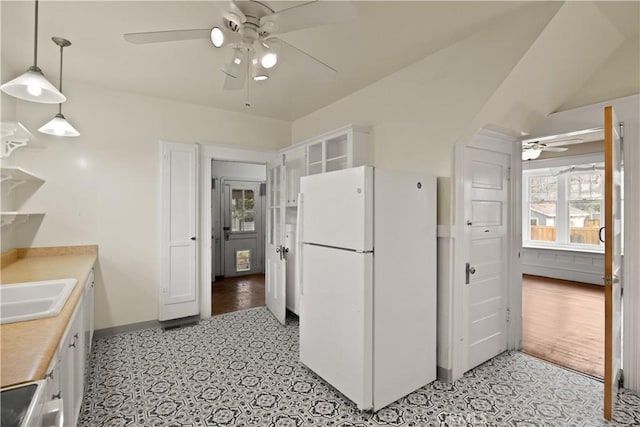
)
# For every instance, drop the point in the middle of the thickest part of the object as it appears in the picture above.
(102, 187)
(419, 113)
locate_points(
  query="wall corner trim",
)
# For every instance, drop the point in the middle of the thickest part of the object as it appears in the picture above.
(445, 231)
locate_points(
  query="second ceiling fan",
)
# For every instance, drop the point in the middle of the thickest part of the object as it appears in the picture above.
(249, 27)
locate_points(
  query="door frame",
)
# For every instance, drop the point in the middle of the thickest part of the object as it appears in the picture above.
(209, 152)
(491, 141)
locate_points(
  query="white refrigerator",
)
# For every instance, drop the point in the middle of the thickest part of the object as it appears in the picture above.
(368, 282)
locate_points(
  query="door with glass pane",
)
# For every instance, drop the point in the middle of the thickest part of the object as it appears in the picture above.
(242, 228)
(276, 255)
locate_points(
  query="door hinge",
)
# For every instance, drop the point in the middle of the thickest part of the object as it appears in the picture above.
(508, 174)
(213, 183)
(621, 379)
(508, 315)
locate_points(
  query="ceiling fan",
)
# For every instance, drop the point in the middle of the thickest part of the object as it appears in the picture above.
(249, 26)
(532, 149)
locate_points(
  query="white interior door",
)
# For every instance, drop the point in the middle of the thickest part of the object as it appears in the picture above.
(179, 216)
(242, 228)
(486, 193)
(275, 255)
(612, 260)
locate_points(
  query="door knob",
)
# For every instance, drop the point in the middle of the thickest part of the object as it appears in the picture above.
(468, 272)
(193, 238)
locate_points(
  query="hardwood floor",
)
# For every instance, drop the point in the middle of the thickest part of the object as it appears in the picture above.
(237, 293)
(563, 323)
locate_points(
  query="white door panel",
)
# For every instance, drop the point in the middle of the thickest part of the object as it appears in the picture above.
(178, 287)
(338, 208)
(486, 202)
(337, 345)
(275, 269)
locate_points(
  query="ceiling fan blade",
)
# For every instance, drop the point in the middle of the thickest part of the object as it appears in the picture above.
(302, 60)
(554, 149)
(307, 15)
(564, 142)
(167, 36)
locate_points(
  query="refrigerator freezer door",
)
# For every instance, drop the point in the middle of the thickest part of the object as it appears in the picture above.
(338, 209)
(335, 319)
(404, 285)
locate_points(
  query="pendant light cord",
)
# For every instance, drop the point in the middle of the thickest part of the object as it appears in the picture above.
(35, 39)
(60, 85)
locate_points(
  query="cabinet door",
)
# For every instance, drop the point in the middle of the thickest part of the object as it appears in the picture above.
(52, 411)
(337, 149)
(315, 158)
(71, 353)
(67, 376)
(275, 284)
(294, 163)
(87, 321)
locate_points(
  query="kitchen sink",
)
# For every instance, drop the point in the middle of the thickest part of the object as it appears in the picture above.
(33, 300)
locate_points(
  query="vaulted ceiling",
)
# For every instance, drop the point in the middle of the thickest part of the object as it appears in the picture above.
(383, 38)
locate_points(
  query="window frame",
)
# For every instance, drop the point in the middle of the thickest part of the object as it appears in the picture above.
(244, 211)
(533, 168)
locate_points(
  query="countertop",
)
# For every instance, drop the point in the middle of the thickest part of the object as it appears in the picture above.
(27, 348)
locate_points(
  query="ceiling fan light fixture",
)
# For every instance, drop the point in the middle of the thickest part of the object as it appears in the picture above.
(233, 69)
(32, 85)
(259, 73)
(531, 154)
(217, 37)
(269, 60)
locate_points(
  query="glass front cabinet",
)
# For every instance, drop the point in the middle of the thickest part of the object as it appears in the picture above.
(339, 149)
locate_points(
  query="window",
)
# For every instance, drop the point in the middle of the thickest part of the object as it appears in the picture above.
(543, 199)
(563, 204)
(242, 210)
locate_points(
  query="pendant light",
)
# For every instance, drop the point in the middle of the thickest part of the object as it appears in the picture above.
(59, 126)
(32, 85)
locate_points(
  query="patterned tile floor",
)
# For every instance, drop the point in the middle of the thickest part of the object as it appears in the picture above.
(242, 369)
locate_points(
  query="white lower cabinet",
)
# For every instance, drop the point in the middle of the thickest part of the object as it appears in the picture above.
(71, 353)
(66, 374)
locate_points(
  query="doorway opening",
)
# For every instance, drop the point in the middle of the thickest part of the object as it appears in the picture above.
(238, 192)
(563, 298)
(563, 323)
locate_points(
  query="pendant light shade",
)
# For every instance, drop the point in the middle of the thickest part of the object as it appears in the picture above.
(59, 126)
(32, 85)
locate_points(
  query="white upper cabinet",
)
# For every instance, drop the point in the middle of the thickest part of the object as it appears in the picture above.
(340, 149)
(294, 163)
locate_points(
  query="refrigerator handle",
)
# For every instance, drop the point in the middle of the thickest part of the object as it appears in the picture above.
(298, 259)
